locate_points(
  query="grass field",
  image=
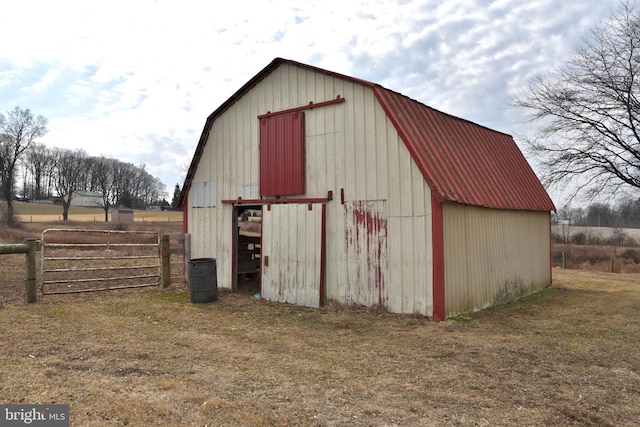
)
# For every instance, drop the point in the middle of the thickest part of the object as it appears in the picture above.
(567, 356)
(34, 212)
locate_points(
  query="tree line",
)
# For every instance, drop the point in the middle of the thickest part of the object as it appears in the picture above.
(625, 214)
(61, 172)
(57, 173)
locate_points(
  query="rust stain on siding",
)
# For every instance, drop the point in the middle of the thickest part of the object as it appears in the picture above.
(367, 252)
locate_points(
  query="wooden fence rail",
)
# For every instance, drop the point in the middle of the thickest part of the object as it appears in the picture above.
(27, 247)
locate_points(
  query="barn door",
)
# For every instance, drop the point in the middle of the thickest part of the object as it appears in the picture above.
(367, 252)
(292, 254)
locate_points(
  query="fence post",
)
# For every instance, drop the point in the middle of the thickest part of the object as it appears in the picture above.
(187, 256)
(31, 270)
(165, 256)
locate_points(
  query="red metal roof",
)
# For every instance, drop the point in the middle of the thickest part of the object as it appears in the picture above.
(461, 161)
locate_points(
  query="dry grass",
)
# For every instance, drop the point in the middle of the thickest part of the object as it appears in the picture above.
(597, 258)
(35, 212)
(567, 356)
(34, 218)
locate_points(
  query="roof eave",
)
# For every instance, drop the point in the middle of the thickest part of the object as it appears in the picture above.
(233, 99)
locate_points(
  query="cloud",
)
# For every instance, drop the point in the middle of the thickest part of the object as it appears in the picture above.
(136, 80)
(46, 81)
(7, 77)
(468, 59)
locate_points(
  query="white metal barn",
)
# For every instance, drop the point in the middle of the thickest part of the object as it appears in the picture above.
(367, 196)
(86, 198)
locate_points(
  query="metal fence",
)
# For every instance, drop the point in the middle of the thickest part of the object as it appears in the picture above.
(75, 260)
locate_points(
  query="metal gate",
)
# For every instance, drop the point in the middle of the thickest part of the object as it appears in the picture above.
(73, 260)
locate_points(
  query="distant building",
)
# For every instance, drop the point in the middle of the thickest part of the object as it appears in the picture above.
(121, 214)
(86, 198)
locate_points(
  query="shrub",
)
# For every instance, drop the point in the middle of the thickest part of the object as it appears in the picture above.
(631, 255)
(578, 238)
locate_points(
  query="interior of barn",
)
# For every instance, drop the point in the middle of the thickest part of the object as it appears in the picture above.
(248, 248)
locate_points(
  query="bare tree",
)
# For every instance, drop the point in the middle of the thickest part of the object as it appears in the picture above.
(105, 172)
(588, 110)
(19, 129)
(5, 150)
(629, 213)
(69, 166)
(147, 188)
(39, 162)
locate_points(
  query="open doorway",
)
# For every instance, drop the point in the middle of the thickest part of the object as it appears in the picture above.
(248, 248)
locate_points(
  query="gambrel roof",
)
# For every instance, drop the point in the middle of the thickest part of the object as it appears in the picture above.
(460, 160)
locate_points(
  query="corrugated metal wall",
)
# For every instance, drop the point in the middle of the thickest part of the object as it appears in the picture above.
(493, 256)
(293, 271)
(351, 146)
(366, 227)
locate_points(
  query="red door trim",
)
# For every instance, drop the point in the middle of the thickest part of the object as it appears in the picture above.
(309, 106)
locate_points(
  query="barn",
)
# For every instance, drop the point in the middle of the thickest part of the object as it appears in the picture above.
(367, 197)
(86, 198)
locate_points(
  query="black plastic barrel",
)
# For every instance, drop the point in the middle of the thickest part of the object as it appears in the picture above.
(203, 282)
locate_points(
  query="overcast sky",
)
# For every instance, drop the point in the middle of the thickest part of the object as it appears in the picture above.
(136, 79)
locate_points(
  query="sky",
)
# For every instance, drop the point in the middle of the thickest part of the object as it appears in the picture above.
(135, 80)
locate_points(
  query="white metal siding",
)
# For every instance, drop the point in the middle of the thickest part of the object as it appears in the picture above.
(493, 256)
(351, 146)
(293, 271)
(367, 250)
